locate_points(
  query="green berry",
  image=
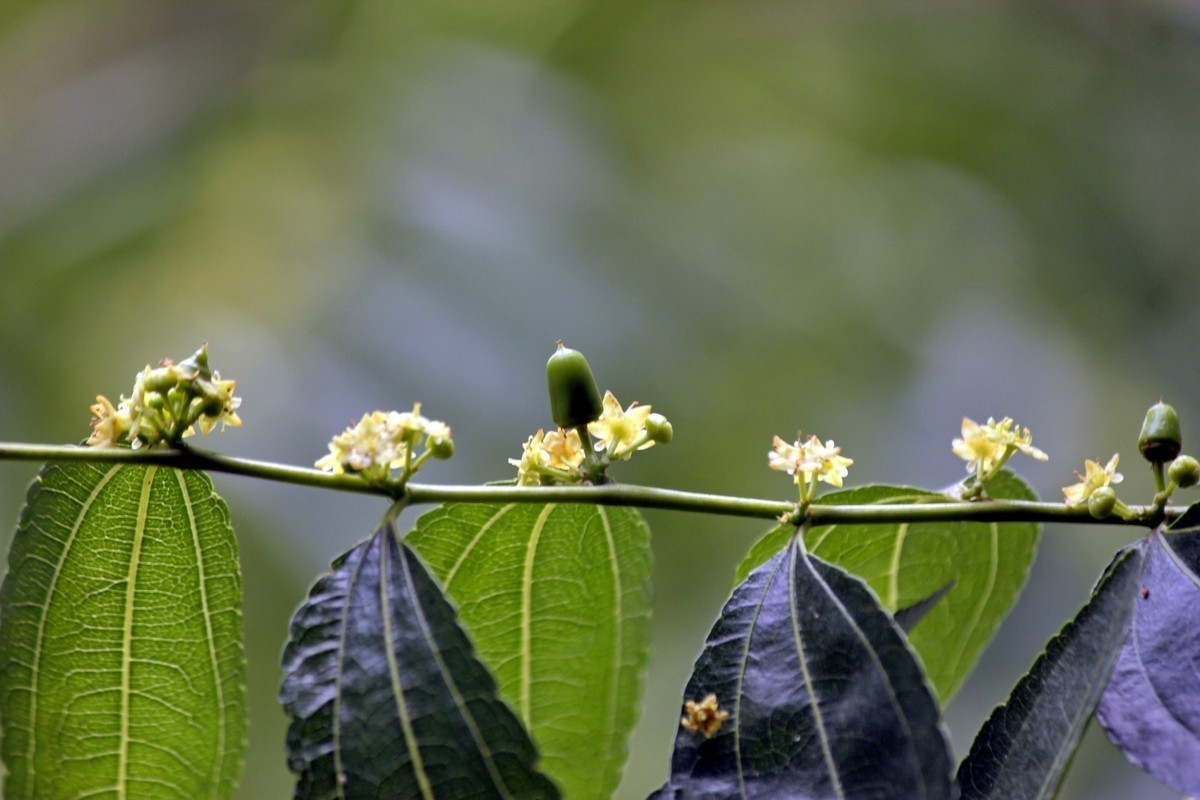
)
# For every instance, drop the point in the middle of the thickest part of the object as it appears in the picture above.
(1184, 472)
(1102, 502)
(574, 399)
(1160, 440)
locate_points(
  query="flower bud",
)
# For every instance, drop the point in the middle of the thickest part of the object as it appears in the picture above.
(574, 399)
(1102, 502)
(659, 428)
(1160, 440)
(196, 364)
(440, 448)
(1184, 472)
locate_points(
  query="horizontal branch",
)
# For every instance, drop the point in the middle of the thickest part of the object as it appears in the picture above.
(610, 494)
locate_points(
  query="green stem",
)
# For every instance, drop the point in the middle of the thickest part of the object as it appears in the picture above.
(607, 494)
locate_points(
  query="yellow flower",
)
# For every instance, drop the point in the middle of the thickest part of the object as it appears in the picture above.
(977, 446)
(564, 449)
(786, 457)
(221, 407)
(809, 461)
(618, 429)
(1007, 433)
(438, 432)
(986, 447)
(533, 456)
(825, 461)
(557, 453)
(408, 426)
(705, 716)
(110, 423)
(1094, 477)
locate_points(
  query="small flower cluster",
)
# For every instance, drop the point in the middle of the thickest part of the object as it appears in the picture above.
(986, 448)
(559, 456)
(705, 716)
(383, 441)
(809, 462)
(168, 402)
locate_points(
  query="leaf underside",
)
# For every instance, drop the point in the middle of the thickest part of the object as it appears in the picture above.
(1151, 706)
(825, 699)
(386, 695)
(557, 601)
(907, 563)
(121, 664)
(1026, 744)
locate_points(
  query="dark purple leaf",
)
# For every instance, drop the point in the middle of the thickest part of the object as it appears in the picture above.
(386, 696)
(825, 698)
(1026, 744)
(1151, 707)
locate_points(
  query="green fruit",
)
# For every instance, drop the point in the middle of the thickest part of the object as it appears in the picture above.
(1102, 502)
(1160, 440)
(1184, 472)
(574, 399)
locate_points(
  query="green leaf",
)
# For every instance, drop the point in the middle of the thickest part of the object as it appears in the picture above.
(557, 599)
(1025, 746)
(387, 696)
(825, 699)
(121, 663)
(905, 563)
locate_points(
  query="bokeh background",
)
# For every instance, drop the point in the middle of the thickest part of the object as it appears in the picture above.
(860, 219)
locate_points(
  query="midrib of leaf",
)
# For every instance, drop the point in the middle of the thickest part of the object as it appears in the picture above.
(459, 702)
(470, 548)
(338, 766)
(210, 636)
(526, 649)
(818, 717)
(913, 758)
(993, 565)
(618, 628)
(385, 610)
(893, 598)
(135, 554)
(737, 709)
(35, 667)
(1179, 564)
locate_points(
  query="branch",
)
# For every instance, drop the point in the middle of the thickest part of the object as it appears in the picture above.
(609, 494)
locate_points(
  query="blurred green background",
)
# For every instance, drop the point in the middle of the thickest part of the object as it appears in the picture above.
(864, 220)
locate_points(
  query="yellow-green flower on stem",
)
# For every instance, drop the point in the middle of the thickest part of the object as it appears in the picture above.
(384, 441)
(554, 456)
(986, 448)
(827, 463)
(620, 432)
(976, 447)
(808, 463)
(110, 424)
(1094, 477)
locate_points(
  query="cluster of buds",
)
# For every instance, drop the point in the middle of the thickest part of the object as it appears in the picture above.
(168, 402)
(383, 441)
(569, 454)
(808, 463)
